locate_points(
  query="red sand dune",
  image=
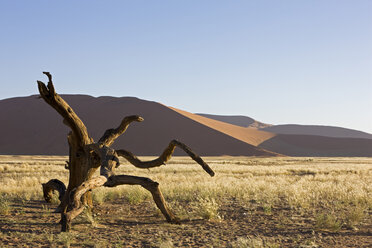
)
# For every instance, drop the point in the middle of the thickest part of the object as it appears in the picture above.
(30, 126)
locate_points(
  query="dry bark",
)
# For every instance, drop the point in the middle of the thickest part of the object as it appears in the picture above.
(86, 156)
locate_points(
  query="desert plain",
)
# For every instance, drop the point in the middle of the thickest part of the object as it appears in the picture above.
(250, 202)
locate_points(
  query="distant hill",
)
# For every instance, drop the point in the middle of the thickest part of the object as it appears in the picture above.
(29, 126)
(327, 131)
(238, 120)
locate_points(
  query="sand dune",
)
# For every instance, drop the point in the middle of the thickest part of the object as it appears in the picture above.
(31, 127)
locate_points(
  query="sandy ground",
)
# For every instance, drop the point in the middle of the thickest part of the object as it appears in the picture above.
(120, 224)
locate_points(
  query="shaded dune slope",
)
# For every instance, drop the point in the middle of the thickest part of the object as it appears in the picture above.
(30, 126)
(328, 131)
(318, 146)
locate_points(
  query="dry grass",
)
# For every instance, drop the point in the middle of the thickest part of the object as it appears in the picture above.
(318, 184)
(335, 192)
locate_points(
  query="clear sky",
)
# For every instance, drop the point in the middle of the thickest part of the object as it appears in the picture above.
(303, 62)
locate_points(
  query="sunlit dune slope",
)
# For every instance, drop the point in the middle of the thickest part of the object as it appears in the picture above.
(249, 135)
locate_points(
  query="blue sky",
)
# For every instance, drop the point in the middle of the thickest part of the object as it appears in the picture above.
(304, 62)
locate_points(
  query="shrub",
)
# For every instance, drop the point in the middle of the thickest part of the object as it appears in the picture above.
(354, 216)
(4, 205)
(207, 208)
(328, 222)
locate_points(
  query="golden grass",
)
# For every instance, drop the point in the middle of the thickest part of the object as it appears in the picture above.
(328, 187)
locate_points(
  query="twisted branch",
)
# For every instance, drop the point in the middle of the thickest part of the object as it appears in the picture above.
(164, 157)
(76, 206)
(151, 186)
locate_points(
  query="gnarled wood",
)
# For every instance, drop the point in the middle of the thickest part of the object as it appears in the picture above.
(85, 157)
(113, 181)
(77, 206)
(151, 186)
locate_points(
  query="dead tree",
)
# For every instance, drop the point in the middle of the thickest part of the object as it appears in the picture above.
(86, 156)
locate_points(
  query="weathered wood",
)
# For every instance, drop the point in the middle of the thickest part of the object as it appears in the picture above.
(85, 157)
(79, 167)
(77, 206)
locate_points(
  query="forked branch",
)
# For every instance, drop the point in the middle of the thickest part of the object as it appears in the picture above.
(164, 157)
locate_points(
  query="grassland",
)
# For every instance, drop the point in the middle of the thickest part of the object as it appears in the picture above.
(251, 202)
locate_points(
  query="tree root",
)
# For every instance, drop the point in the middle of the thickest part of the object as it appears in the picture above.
(50, 186)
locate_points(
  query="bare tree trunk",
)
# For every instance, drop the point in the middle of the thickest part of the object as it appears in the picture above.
(85, 157)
